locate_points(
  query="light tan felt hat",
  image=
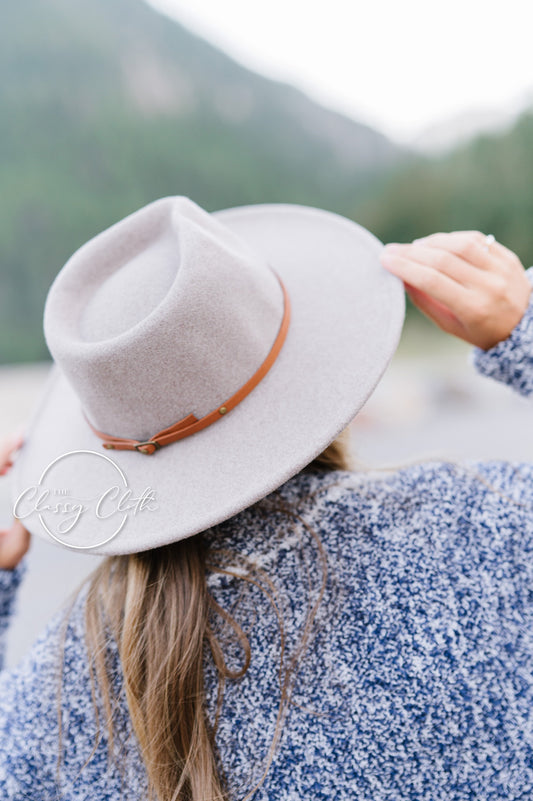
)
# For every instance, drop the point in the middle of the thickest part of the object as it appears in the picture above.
(200, 361)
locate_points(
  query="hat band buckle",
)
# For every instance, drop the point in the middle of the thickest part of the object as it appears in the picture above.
(143, 447)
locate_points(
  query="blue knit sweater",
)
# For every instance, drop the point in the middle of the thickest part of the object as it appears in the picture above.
(417, 682)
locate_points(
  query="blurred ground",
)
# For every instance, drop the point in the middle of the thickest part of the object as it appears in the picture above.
(432, 405)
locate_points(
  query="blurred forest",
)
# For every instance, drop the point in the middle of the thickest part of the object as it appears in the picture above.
(486, 184)
(108, 105)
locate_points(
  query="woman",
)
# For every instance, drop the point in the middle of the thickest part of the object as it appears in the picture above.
(324, 633)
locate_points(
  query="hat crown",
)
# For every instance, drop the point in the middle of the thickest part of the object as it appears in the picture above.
(164, 314)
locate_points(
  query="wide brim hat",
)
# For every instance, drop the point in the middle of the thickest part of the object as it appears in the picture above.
(166, 316)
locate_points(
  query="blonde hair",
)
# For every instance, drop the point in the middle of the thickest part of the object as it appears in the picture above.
(157, 608)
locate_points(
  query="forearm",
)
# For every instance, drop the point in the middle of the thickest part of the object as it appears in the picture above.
(511, 361)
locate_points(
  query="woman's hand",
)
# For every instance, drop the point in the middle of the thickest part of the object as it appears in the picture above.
(14, 541)
(7, 449)
(476, 293)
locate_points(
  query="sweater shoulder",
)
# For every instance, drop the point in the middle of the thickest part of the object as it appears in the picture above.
(416, 503)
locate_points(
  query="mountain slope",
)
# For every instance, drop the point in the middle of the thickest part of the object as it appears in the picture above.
(107, 105)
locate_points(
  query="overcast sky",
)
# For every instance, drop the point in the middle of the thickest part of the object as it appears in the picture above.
(398, 66)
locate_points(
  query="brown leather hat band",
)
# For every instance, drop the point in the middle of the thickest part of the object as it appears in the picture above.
(191, 424)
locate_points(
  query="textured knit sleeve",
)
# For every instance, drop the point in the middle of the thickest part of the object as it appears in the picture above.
(511, 361)
(52, 684)
(9, 583)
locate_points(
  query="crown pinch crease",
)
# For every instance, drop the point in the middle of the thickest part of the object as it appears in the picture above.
(191, 424)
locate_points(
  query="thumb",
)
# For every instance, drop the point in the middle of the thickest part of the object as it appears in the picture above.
(435, 311)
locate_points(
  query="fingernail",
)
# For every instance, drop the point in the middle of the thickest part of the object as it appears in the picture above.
(392, 246)
(389, 261)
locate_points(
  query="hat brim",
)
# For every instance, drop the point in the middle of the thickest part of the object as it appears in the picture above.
(347, 314)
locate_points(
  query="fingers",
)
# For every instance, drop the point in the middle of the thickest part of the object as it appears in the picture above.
(443, 261)
(468, 245)
(7, 449)
(468, 289)
(442, 279)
